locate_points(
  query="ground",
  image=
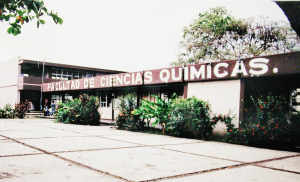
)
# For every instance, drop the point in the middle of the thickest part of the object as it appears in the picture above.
(41, 150)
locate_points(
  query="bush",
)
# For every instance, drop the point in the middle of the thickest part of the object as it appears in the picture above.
(267, 122)
(160, 110)
(265, 110)
(191, 118)
(20, 109)
(83, 110)
(7, 111)
(127, 119)
(274, 135)
(231, 129)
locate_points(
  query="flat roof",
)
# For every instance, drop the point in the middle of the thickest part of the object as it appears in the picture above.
(26, 61)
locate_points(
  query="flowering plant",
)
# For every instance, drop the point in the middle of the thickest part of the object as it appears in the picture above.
(20, 109)
(231, 129)
(7, 111)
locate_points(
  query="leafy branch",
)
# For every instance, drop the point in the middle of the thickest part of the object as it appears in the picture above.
(18, 12)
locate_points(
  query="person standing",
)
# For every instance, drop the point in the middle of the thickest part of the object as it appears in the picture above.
(28, 106)
(52, 108)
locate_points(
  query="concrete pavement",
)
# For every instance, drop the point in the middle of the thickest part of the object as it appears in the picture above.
(41, 150)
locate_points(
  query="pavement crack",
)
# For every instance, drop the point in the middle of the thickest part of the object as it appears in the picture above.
(66, 159)
(96, 149)
(17, 155)
(195, 173)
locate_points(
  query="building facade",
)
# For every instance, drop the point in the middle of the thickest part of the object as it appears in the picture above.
(224, 84)
(21, 79)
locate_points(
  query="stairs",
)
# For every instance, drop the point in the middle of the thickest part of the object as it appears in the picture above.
(33, 114)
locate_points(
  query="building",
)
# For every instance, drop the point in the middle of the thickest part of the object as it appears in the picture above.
(224, 84)
(21, 79)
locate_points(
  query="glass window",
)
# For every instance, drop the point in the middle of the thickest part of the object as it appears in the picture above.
(62, 74)
(103, 98)
(68, 97)
(295, 102)
(56, 98)
(88, 75)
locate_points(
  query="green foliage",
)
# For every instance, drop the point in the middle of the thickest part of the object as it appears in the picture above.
(267, 123)
(216, 35)
(160, 110)
(231, 129)
(146, 111)
(20, 109)
(8, 111)
(268, 120)
(65, 112)
(20, 11)
(190, 118)
(83, 110)
(127, 119)
(265, 110)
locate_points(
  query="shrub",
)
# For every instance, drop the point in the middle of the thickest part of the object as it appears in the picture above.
(160, 110)
(64, 111)
(191, 118)
(127, 119)
(20, 109)
(7, 111)
(83, 110)
(265, 110)
(271, 136)
(231, 129)
(145, 111)
(267, 122)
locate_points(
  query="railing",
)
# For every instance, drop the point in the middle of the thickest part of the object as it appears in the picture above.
(32, 82)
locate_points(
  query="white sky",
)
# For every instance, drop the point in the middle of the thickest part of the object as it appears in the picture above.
(127, 35)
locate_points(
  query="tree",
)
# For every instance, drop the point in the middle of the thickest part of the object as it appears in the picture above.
(216, 36)
(20, 11)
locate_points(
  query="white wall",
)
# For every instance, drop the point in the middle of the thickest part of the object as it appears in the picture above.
(222, 95)
(105, 112)
(9, 95)
(9, 73)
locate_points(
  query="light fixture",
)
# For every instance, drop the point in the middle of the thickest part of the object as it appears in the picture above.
(240, 65)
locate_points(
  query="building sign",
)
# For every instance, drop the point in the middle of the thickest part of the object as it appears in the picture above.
(199, 72)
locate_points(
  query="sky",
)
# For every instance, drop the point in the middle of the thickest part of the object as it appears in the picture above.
(125, 35)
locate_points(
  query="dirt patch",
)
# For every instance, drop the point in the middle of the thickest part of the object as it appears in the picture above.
(6, 175)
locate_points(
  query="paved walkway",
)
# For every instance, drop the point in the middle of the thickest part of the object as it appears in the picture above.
(41, 150)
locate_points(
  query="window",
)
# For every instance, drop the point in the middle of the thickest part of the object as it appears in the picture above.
(89, 75)
(56, 98)
(295, 100)
(77, 75)
(68, 97)
(103, 98)
(64, 74)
